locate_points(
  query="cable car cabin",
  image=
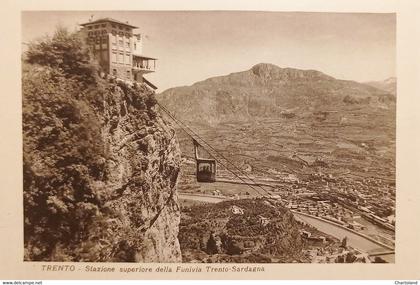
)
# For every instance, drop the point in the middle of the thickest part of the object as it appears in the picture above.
(206, 167)
(206, 170)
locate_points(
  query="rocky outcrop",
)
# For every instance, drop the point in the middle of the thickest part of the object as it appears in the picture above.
(100, 171)
(143, 165)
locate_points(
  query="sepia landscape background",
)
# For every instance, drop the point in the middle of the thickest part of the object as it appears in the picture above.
(299, 109)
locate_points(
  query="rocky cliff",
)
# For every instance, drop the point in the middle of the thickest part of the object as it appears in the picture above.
(143, 165)
(100, 165)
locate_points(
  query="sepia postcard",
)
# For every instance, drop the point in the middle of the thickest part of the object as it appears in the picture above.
(161, 141)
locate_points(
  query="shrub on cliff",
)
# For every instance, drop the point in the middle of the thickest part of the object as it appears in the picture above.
(62, 151)
(62, 158)
(64, 51)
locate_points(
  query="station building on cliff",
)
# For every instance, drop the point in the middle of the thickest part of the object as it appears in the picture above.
(118, 49)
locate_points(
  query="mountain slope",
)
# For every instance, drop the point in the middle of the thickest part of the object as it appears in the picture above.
(267, 90)
(277, 121)
(388, 85)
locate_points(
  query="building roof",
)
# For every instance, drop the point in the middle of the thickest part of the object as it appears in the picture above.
(109, 20)
(144, 56)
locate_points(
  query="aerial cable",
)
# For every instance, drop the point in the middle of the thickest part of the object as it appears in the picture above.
(227, 168)
(184, 127)
(221, 155)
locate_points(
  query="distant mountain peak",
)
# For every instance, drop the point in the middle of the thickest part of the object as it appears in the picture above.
(264, 66)
(269, 70)
(389, 85)
(263, 69)
(391, 80)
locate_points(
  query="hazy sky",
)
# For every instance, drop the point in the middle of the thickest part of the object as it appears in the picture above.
(192, 46)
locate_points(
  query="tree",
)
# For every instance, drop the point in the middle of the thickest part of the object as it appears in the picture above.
(211, 245)
(350, 257)
(344, 242)
(379, 260)
(65, 52)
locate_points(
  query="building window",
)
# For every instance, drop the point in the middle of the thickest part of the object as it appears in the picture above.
(113, 25)
(135, 46)
(89, 27)
(128, 74)
(104, 56)
(120, 58)
(103, 25)
(114, 72)
(114, 40)
(114, 57)
(127, 44)
(121, 43)
(127, 59)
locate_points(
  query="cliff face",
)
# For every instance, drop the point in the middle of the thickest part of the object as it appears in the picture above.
(100, 171)
(143, 166)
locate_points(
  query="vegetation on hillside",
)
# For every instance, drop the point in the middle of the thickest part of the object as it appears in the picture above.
(64, 158)
(64, 52)
(262, 233)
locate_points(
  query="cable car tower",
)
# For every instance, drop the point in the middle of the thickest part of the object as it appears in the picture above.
(205, 167)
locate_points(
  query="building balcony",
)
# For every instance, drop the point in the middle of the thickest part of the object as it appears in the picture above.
(144, 64)
(144, 69)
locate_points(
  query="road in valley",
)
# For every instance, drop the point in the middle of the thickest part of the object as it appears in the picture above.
(202, 198)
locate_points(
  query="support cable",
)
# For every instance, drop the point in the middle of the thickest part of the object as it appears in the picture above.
(184, 127)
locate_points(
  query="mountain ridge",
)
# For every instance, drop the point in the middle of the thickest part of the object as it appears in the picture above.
(254, 68)
(389, 85)
(266, 90)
